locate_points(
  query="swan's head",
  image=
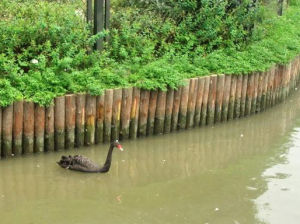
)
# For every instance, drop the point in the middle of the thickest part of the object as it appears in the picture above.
(117, 144)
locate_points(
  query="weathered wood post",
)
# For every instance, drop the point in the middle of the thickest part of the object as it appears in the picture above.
(211, 104)
(7, 121)
(169, 109)
(126, 109)
(192, 102)
(226, 96)
(90, 120)
(160, 112)
(183, 106)
(254, 93)
(116, 114)
(151, 112)
(80, 119)
(264, 90)
(17, 128)
(70, 120)
(259, 91)
(175, 110)
(59, 122)
(199, 99)
(49, 128)
(134, 114)
(232, 97)
(99, 119)
(238, 96)
(250, 94)
(219, 97)
(108, 101)
(28, 127)
(244, 95)
(39, 128)
(204, 101)
(0, 132)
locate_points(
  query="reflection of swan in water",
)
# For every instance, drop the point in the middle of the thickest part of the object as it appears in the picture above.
(84, 164)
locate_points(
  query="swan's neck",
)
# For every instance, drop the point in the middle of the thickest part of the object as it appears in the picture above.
(107, 163)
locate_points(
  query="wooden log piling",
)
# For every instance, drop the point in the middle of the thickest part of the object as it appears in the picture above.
(232, 97)
(205, 101)
(254, 93)
(116, 114)
(191, 102)
(238, 96)
(108, 101)
(183, 106)
(219, 98)
(226, 97)
(59, 123)
(134, 114)
(17, 128)
(151, 112)
(250, 93)
(90, 120)
(244, 95)
(39, 128)
(160, 112)
(211, 103)
(199, 99)
(169, 109)
(7, 128)
(49, 128)
(175, 110)
(99, 119)
(70, 101)
(28, 127)
(125, 112)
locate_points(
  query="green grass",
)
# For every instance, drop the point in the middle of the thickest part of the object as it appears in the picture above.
(44, 50)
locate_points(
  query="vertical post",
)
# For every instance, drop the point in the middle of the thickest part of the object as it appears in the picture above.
(0, 131)
(200, 90)
(238, 96)
(79, 119)
(99, 119)
(264, 91)
(232, 97)
(134, 114)
(254, 93)
(226, 97)
(89, 11)
(70, 120)
(39, 128)
(175, 110)
(249, 94)
(219, 97)
(192, 102)
(280, 7)
(98, 22)
(204, 101)
(183, 106)
(259, 91)
(151, 112)
(211, 105)
(116, 114)
(244, 94)
(49, 128)
(169, 109)
(126, 109)
(59, 122)
(7, 120)
(17, 127)
(90, 117)
(28, 127)
(108, 114)
(160, 112)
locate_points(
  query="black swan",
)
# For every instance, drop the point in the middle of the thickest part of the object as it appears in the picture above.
(84, 164)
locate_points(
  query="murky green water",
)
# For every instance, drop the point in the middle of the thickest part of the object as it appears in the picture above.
(242, 172)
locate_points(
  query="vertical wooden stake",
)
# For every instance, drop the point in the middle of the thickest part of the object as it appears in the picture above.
(199, 99)
(264, 91)
(90, 120)
(80, 119)
(249, 94)
(108, 101)
(254, 93)
(134, 114)
(211, 105)
(7, 121)
(238, 96)
(0, 132)
(59, 122)
(116, 114)
(70, 120)
(160, 112)
(17, 127)
(151, 112)
(99, 119)
(49, 128)
(39, 128)
(226, 97)
(232, 97)
(204, 101)
(126, 109)
(183, 106)
(259, 91)
(192, 102)
(219, 97)
(175, 110)
(169, 109)
(244, 95)
(28, 127)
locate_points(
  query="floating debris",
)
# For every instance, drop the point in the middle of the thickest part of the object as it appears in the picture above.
(242, 135)
(217, 209)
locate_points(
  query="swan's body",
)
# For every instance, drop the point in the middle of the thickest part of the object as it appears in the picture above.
(84, 164)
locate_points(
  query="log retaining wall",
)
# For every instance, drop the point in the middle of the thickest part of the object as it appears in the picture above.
(81, 119)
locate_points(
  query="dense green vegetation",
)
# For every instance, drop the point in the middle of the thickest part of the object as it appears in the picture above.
(45, 46)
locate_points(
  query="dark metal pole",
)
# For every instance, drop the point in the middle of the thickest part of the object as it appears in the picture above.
(107, 17)
(98, 22)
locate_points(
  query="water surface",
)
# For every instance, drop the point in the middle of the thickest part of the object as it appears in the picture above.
(241, 172)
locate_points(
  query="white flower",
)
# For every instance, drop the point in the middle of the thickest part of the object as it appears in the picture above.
(34, 61)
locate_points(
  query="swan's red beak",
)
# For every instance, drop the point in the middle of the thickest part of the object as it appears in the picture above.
(120, 147)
